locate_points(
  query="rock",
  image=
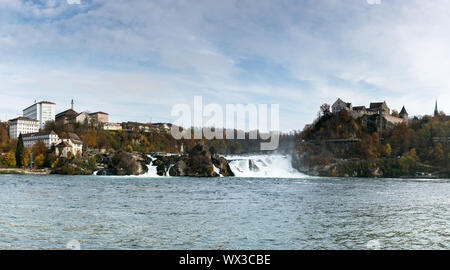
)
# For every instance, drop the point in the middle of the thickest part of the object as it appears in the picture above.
(199, 162)
(222, 164)
(124, 163)
(179, 169)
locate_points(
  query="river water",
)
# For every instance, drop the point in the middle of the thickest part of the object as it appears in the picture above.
(47, 212)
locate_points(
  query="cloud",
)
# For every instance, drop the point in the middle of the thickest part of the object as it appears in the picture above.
(74, 2)
(160, 52)
(374, 2)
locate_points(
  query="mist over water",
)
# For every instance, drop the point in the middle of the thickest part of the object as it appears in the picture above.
(50, 212)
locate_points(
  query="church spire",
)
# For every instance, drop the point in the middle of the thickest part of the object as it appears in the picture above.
(436, 111)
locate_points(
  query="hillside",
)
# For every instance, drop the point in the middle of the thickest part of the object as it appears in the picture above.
(338, 145)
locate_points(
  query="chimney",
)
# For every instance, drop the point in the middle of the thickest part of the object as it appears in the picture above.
(72, 104)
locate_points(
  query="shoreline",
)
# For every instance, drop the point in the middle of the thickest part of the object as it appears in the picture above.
(10, 171)
(43, 172)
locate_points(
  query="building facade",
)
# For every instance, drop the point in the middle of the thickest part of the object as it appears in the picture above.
(82, 118)
(69, 143)
(22, 125)
(49, 138)
(43, 111)
(375, 108)
(100, 117)
(112, 126)
(340, 105)
(66, 116)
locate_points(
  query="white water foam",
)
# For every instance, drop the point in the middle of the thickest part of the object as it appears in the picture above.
(265, 166)
(217, 170)
(271, 166)
(152, 171)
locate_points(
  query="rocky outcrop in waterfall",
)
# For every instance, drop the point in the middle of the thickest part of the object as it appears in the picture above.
(124, 163)
(199, 162)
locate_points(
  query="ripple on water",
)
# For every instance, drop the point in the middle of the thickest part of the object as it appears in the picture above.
(231, 213)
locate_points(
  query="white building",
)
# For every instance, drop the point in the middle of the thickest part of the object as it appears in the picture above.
(69, 143)
(49, 138)
(112, 126)
(42, 111)
(22, 125)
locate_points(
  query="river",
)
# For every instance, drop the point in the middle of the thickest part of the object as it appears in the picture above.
(47, 212)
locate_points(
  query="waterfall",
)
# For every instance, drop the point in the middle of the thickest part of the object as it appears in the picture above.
(264, 166)
(152, 172)
(272, 166)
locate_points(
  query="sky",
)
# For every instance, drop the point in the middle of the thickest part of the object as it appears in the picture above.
(135, 59)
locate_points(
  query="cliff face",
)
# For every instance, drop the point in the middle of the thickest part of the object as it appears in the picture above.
(341, 168)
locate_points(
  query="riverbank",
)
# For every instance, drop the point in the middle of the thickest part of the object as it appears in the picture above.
(24, 171)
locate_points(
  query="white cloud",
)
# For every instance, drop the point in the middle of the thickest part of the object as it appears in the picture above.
(74, 2)
(161, 52)
(373, 2)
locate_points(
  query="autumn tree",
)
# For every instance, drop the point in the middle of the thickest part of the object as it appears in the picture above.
(4, 138)
(39, 160)
(25, 161)
(9, 159)
(408, 162)
(39, 148)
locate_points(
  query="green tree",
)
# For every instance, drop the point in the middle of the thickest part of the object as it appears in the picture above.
(19, 151)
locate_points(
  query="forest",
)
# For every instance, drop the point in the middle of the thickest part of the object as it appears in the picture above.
(404, 149)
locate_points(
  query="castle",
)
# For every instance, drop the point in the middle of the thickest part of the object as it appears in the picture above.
(375, 108)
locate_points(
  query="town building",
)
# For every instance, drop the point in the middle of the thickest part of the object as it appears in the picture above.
(81, 118)
(43, 111)
(160, 127)
(112, 126)
(100, 117)
(70, 143)
(49, 138)
(22, 125)
(135, 126)
(66, 116)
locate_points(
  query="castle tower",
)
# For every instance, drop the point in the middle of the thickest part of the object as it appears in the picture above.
(404, 114)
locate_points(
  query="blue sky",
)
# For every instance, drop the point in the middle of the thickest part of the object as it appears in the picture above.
(137, 58)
